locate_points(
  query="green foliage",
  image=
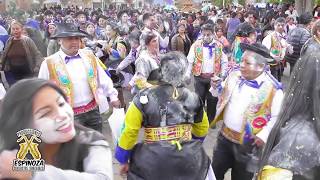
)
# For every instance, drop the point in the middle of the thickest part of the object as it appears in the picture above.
(219, 3)
(279, 1)
(288, 1)
(242, 2)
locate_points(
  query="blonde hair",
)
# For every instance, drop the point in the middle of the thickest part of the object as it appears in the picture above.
(16, 22)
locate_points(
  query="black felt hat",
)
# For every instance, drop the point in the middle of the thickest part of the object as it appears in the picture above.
(245, 29)
(68, 30)
(259, 49)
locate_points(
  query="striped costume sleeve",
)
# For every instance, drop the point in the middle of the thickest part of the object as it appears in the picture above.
(129, 136)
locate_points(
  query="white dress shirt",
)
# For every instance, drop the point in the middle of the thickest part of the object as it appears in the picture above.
(208, 62)
(78, 76)
(239, 102)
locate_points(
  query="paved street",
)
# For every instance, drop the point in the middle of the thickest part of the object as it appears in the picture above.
(208, 144)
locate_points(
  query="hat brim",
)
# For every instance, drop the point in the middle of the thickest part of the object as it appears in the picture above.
(68, 34)
(257, 50)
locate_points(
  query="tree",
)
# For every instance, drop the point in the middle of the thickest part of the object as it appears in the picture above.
(304, 6)
(219, 3)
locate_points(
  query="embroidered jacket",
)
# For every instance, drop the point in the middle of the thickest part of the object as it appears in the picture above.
(257, 113)
(215, 52)
(59, 74)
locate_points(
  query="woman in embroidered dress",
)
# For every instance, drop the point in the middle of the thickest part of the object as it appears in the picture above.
(70, 151)
(178, 114)
(293, 147)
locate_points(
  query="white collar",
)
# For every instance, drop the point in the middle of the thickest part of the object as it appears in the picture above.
(64, 55)
(260, 78)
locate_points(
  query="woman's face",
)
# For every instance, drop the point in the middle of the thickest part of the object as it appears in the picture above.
(124, 17)
(182, 29)
(53, 117)
(102, 22)
(252, 37)
(290, 21)
(82, 18)
(16, 30)
(219, 33)
(110, 33)
(90, 29)
(51, 29)
(190, 19)
(153, 45)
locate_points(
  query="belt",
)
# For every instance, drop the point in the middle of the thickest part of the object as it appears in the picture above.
(230, 134)
(206, 75)
(86, 108)
(168, 133)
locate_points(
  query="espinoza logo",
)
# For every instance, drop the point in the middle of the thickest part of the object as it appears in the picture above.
(28, 147)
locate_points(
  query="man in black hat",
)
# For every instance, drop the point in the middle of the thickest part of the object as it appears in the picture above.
(249, 103)
(79, 75)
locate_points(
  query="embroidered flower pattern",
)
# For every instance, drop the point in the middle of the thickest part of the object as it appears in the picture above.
(259, 122)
